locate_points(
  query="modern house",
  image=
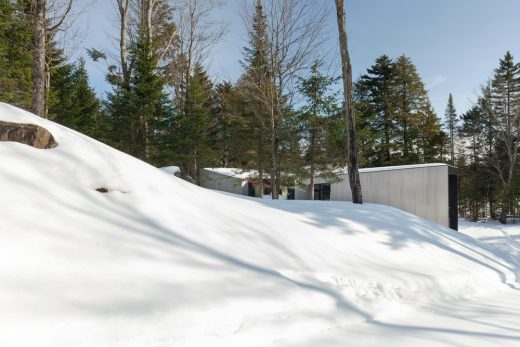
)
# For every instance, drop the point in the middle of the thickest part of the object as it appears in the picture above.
(234, 181)
(428, 190)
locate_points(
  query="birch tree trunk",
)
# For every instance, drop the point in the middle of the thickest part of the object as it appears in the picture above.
(38, 95)
(352, 164)
(43, 26)
(123, 49)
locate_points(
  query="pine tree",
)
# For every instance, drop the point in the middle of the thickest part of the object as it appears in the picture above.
(192, 144)
(396, 122)
(149, 101)
(230, 134)
(374, 90)
(472, 171)
(73, 102)
(314, 118)
(410, 101)
(505, 97)
(490, 183)
(16, 53)
(431, 137)
(255, 83)
(451, 125)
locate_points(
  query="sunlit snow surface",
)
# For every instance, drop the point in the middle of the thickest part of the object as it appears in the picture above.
(157, 261)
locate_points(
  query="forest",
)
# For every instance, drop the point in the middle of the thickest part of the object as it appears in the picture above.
(284, 116)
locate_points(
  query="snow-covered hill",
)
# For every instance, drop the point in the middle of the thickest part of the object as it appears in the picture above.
(157, 261)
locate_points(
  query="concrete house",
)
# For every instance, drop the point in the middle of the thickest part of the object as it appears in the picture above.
(428, 190)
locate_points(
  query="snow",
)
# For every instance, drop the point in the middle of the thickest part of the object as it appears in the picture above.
(158, 261)
(172, 170)
(233, 172)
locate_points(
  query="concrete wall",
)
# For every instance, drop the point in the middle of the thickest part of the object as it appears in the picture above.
(216, 181)
(422, 191)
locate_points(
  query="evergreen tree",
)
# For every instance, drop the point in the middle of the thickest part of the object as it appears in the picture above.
(396, 122)
(505, 102)
(74, 103)
(16, 53)
(192, 143)
(374, 90)
(472, 170)
(149, 101)
(410, 101)
(314, 118)
(485, 105)
(451, 124)
(430, 133)
(255, 83)
(231, 134)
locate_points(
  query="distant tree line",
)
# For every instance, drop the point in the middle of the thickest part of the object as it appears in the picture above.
(489, 144)
(283, 117)
(164, 108)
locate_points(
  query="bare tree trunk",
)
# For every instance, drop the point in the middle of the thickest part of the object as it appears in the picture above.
(146, 139)
(149, 11)
(274, 184)
(355, 183)
(311, 184)
(195, 168)
(452, 147)
(38, 94)
(47, 89)
(42, 27)
(313, 166)
(147, 7)
(123, 50)
(260, 165)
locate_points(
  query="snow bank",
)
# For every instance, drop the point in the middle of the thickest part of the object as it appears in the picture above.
(157, 261)
(232, 172)
(172, 170)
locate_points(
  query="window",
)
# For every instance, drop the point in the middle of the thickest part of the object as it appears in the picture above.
(291, 193)
(322, 191)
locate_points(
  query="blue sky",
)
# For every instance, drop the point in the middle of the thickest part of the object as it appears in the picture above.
(455, 44)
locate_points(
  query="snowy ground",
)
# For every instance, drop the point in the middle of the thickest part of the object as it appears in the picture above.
(157, 261)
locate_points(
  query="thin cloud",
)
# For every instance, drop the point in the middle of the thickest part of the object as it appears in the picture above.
(436, 81)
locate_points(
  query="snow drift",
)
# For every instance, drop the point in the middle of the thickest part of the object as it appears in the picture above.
(157, 261)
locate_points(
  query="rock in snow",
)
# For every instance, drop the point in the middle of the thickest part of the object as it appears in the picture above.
(156, 261)
(28, 134)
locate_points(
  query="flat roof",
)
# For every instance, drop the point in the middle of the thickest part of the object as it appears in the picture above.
(396, 167)
(233, 172)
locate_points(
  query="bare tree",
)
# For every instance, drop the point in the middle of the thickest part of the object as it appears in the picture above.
(294, 40)
(352, 163)
(49, 17)
(196, 34)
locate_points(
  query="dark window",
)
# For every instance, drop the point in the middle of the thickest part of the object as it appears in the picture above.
(291, 193)
(251, 189)
(453, 202)
(322, 191)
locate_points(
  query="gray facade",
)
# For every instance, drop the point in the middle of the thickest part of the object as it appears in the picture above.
(423, 190)
(225, 180)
